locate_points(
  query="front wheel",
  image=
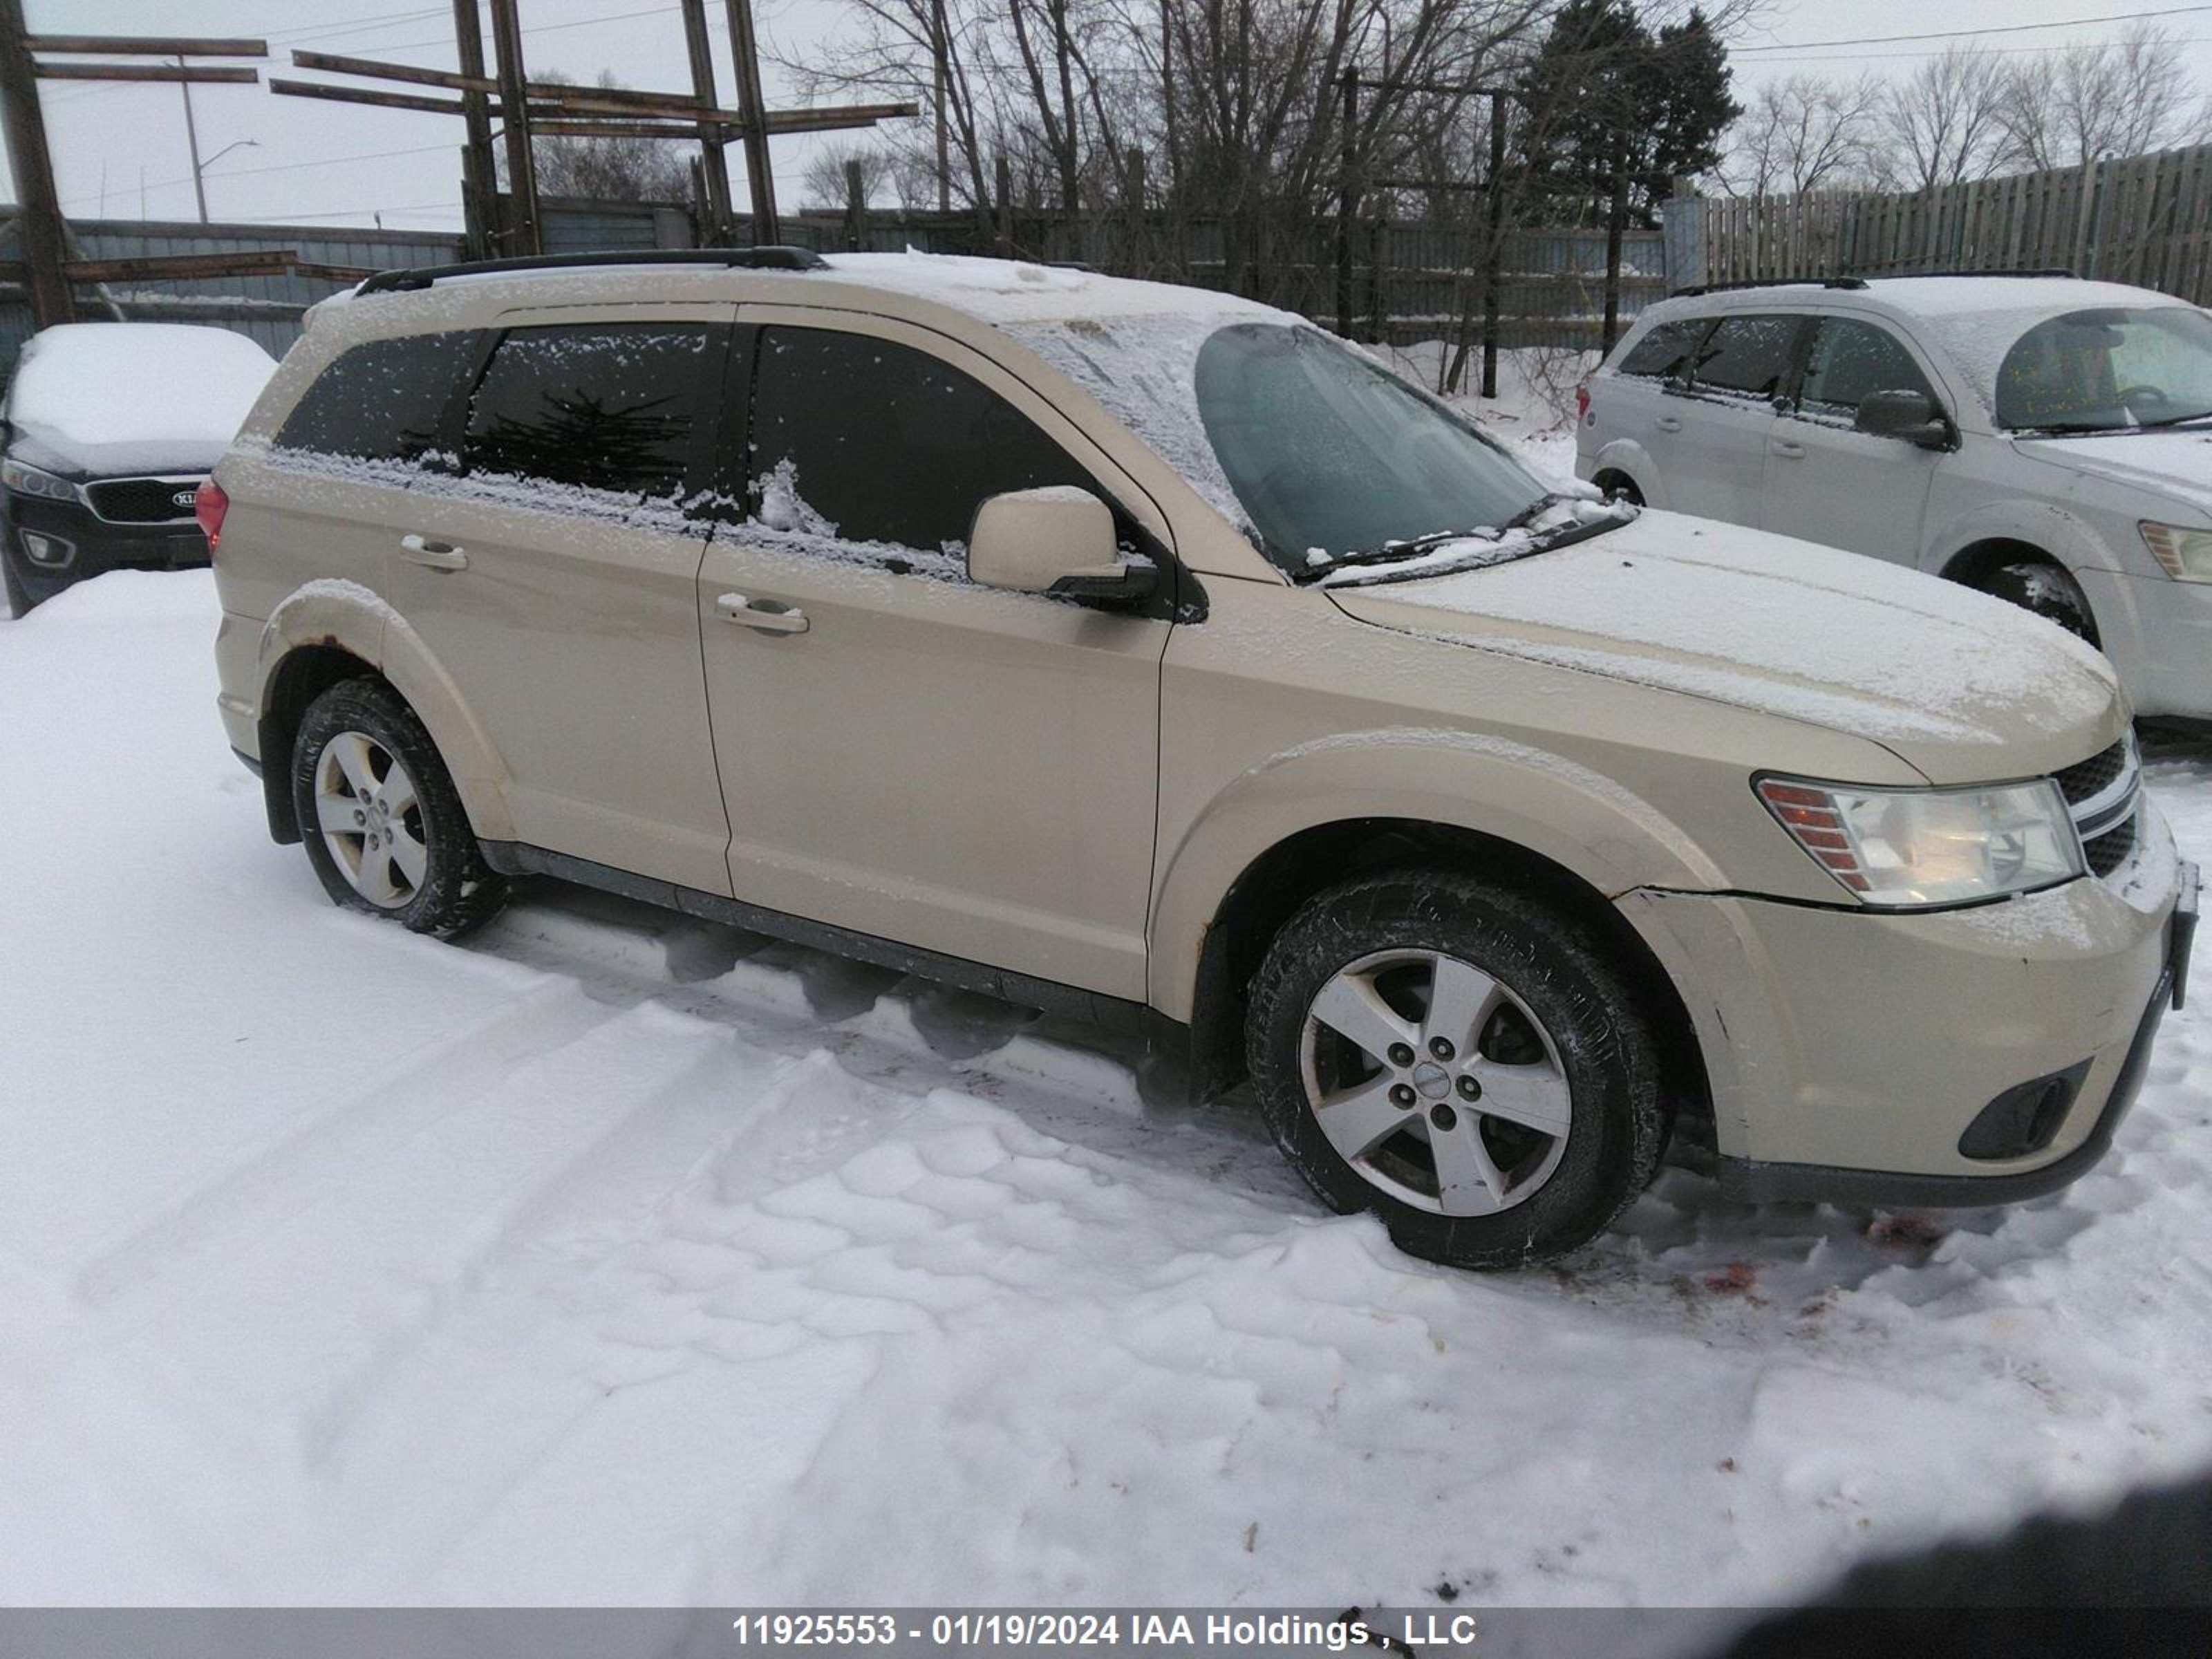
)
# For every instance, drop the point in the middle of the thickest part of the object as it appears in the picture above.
(2047, 590)
(1464, 1063)
(379, 815)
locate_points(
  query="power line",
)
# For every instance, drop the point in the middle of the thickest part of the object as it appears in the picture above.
(1998, 28)
(1993, 52)
(288, 166)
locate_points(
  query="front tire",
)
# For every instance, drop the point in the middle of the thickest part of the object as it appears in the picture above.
(380, 819)
(1466, 1063)
(2048, 591)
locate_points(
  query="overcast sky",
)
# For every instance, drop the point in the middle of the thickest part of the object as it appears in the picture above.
(119, 149)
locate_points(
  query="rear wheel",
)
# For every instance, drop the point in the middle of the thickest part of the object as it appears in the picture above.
(380, 819)
(2045, 589)
(1462, 1061)
(1620, 487)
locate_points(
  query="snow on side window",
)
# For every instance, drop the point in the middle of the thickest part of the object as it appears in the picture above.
(1850, 362)
(381, 401)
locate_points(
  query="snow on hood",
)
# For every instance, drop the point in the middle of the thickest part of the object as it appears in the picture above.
(2176, 464)
(1960, 685)
(111, 397)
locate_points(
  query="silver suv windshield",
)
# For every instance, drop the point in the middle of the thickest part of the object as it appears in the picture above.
(2111, 369)
(1336, 461)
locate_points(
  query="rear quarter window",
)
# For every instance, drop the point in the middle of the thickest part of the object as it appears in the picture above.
(383, 401)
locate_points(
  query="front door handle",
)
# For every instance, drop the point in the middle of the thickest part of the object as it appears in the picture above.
(762, 615)
(1668, 423)
(1787, 450)
(435, 556)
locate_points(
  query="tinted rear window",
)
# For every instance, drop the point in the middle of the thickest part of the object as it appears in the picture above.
(1660, 354)
(381, 401)
(612, 406)
(1747, 353)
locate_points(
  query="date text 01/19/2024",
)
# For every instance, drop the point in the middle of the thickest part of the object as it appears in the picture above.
(1158, 1632)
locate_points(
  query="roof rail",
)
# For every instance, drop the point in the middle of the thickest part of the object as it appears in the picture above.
(770, 258)
(1771, 282)
(2047, 270)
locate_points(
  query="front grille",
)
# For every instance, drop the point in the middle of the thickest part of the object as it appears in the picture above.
(142, 501)
(2079, 782)
(2110, 850)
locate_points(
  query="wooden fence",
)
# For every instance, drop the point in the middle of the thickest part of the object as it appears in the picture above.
(2145, 220)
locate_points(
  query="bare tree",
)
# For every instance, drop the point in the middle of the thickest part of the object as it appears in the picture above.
(611, 169)
(1944, 125)
(2124, 97)
(1806, 133)
(824, 181)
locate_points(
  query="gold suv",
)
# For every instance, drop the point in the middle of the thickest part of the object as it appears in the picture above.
(1143, 652)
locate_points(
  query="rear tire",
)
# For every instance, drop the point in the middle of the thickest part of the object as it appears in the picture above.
(380, 819)
(1620, 487)
(1495, 1098)
(2048, 591)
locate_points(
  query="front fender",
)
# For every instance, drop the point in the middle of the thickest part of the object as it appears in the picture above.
(2041, 525)
(349, 617)
(1589, 825)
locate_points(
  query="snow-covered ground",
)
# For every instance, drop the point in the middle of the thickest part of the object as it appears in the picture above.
(619, 1258)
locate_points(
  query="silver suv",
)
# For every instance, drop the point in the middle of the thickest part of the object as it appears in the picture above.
(1147, 653)
(2037, 437)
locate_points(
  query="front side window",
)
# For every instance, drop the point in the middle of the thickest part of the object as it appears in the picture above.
(1661, 354)
(865, 440)
(606, 406)
(1850, 361)
(382, 401)
(1746, 355)
(2108, 369)
(1330, 456)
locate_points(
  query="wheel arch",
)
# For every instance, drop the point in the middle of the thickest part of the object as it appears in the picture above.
(1629, 460)
(1287, 832)
(328, 632)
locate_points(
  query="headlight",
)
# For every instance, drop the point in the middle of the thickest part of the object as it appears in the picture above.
(32, 481)
(2186, 554)
(1910, 849)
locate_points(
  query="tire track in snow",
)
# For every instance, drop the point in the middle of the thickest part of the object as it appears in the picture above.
(425, 1086)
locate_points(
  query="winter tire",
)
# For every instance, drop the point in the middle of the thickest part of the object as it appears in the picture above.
(380, 817)
(2045, 590)
(1464, 1063)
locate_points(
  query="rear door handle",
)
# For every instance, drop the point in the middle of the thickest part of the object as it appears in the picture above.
(1787, 450)
(762, 615)
(437, 556)
(1668, 423)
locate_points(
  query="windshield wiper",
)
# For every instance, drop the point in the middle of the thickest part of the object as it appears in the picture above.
(2174, 420)
(1391, 552)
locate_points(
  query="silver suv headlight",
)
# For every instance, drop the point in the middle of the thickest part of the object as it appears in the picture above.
(1912, 849)
(32, 481)
(2184, 554)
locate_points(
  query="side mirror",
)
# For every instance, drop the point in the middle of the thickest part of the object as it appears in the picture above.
(1912, 416)
(1056, 540)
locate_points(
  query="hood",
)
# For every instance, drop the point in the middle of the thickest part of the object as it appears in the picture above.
(69, 456)
(1962, 687)
(2174, 465)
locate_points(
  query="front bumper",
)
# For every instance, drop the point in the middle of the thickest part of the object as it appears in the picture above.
(96, 545)
(1850, 1052)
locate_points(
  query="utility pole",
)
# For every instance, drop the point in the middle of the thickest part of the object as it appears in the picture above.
(192, 139)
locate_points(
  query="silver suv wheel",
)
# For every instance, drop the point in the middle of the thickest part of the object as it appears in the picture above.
(371, 819)
(1436, 1083)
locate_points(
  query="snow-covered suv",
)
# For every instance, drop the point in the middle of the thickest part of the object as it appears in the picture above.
(2038, 437)
(1145, 653)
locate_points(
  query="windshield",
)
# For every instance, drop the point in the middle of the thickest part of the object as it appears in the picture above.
(2107, 370)
(1330, 456)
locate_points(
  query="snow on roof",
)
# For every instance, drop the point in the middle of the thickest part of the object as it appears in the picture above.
(1001, 291)
(101, 385)
(1954, 297)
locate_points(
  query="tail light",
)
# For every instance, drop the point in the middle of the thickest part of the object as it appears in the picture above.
(1581, 401)
(209, 505)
